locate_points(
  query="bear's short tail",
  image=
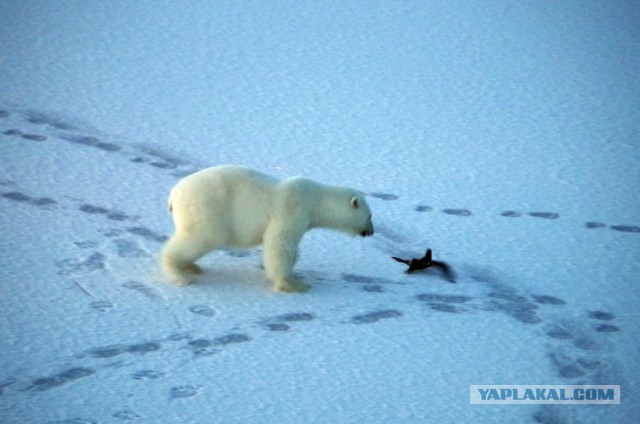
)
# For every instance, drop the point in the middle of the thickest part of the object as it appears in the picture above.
(170, 202)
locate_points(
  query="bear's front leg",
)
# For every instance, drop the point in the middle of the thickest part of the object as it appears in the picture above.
(280, 253)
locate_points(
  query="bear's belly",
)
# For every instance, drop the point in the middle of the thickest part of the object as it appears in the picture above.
(239, 224)
(243, 236)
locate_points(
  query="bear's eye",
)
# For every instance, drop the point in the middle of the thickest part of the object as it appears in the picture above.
(354, 203)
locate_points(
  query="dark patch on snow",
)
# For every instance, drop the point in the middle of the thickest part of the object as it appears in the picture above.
(86, 244)
(129, 249)
(549, 414)
(601, 315)
(238, 253)
(92, 142)
(570, 371)
(148, 375)
(207, 347)
(232, 338)
(92, 209)
(353, 278)
(376, 316)
(548, 300)
(423, 208)
(559, 333)
(112, 232)
(167, 160)
(280, 322)
(203, 347)
(16, 197)
(516, 306)
(446, 298)
(590, 364)
(585, 343)
(544, 215)
(143, 289)
(147, 234)
(364, 279)
(373, 288)
(592, 225)
(95, 262)
(384, 196)
(126, 415)
(40, 118)
(110, 214)
(457, 212)
(120, 216)
(143, 348)
(108, 351)
(203, 310)
(607, 328)
(75, 420)
(295, 317)
(101, 305)
(443, 307)
(200, 343)
(176, 337)
(566, 366)
(34, 201)
(511, 214)
(163, 165)
(278, 326)
(626, 228)
(34, 137)
(65, 377)
(112, 351)
(183, 392)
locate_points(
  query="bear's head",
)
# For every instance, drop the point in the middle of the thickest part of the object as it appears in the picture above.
(352, 214)
(362, 215)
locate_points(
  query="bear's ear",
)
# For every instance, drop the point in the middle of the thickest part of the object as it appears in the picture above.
(354, 203)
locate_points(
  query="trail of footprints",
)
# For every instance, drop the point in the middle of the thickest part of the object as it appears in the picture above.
(179, 167)
(575, 350)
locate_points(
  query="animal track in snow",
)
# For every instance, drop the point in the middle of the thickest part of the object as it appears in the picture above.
(58, 128)
(101, 305)
(60, 379)
(127, 248)
(96, 261)
(375, 316)
(203, 310)
(34, 201)
(110, 214)
(126, 415)
(384, 196)
(142, 288)
(147, 375)
(457, 212)
(183, 392)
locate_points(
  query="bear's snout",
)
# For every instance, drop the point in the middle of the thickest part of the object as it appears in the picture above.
(368, 231)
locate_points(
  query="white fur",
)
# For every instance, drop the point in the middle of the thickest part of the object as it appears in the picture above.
(232, 206)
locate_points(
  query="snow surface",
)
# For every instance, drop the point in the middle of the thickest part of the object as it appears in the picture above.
(504, 135)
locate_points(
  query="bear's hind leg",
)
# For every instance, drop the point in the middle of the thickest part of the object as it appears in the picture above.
(180, 254)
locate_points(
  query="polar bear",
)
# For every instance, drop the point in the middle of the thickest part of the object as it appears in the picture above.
(237, 207)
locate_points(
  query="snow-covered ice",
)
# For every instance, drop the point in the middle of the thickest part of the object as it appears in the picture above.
(502, 135)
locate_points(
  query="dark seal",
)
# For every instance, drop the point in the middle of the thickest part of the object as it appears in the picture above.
(416, 264)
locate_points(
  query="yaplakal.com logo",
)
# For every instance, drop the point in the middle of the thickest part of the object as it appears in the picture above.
(544, 394)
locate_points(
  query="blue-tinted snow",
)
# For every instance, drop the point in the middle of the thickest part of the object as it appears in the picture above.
(503, 135)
